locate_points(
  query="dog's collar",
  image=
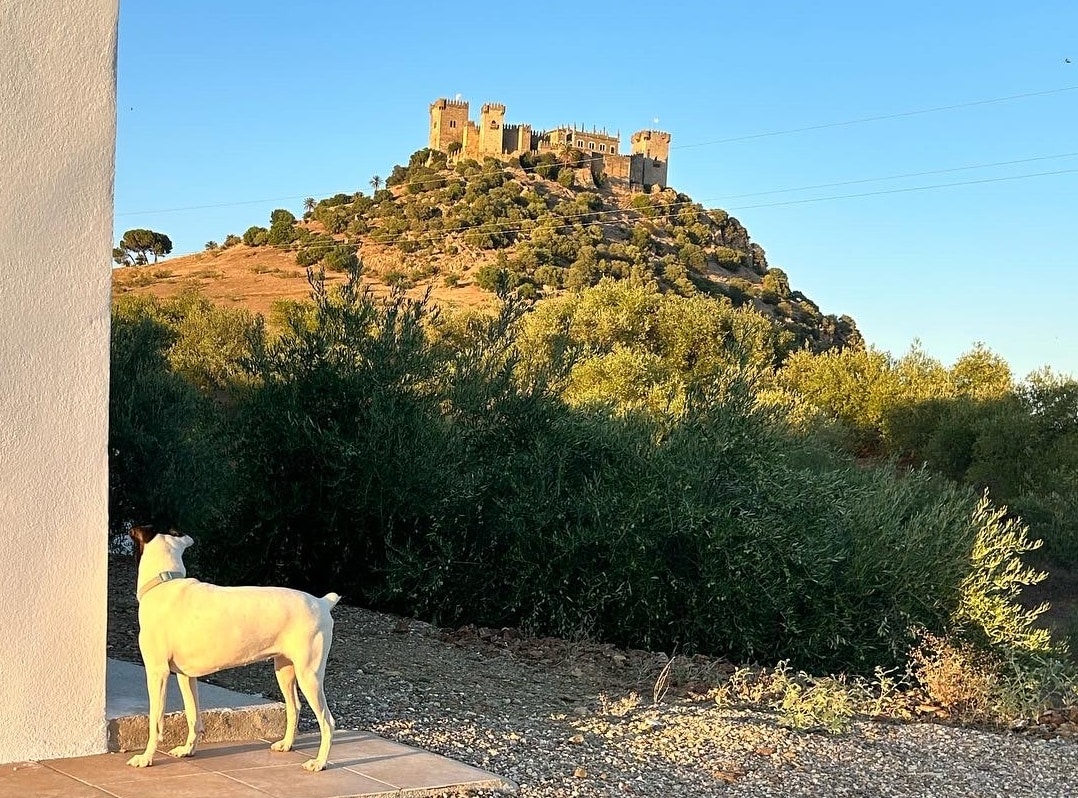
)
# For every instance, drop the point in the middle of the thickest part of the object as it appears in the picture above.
(161, 578)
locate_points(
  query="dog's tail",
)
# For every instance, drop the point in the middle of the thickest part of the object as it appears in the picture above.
(331, 599)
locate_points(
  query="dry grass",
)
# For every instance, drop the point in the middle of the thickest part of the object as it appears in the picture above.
(956, 677)
(256, 277)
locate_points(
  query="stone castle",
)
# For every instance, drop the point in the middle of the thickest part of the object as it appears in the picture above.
(452, 132)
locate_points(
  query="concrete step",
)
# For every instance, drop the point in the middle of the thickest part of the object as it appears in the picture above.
(226, 714)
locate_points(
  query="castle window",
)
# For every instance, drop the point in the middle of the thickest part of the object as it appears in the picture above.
(493, 125)
(452, 122)
(602, 148)
(591, 145)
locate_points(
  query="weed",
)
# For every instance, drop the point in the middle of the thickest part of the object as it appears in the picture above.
(956, 676)
(662, 683)
(810, 704)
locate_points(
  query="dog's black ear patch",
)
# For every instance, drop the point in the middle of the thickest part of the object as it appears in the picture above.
(141, 534)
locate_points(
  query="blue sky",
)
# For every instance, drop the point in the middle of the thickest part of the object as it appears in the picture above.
(247, 107)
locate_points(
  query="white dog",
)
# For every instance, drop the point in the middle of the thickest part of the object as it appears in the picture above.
(192, 629)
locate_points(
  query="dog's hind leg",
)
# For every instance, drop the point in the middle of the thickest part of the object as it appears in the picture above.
(310, 682)
(286, 679)
(189, 691)
(156, 682)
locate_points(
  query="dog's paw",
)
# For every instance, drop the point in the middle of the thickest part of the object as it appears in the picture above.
(314, 765)
(140, 761)
(181, 751)
(281, 746)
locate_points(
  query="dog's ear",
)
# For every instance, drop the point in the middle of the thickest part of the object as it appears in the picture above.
(142, 534)
(187, 540)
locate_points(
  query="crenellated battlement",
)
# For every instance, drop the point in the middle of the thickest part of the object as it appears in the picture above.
(658, 135)
(451, 131)
(443, 102)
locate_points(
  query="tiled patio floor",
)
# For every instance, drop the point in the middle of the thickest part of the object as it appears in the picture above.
(360, 764)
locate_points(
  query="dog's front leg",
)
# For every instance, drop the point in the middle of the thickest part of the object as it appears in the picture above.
(156, 682)
(189, 691)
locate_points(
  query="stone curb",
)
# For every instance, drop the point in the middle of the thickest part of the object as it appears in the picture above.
(261, 721)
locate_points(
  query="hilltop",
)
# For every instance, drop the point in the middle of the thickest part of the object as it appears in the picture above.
(534, 225)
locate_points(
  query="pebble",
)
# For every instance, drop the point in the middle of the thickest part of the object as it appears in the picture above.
(541, 724)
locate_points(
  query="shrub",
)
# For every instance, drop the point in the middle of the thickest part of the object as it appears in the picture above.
(167, 449)
(492, 277)
(282, 231)
(341, 258)
(602, 466)
(256, 236)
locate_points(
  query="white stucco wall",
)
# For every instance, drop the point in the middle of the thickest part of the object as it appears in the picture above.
(57, 139)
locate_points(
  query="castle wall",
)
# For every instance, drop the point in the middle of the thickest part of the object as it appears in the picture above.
(645, 172)
(645, 167)
(516, 139)
(470, 142)
(491, 122)
(616, 166)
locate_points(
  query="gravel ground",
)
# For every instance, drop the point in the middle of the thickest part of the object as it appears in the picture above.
(559, 718)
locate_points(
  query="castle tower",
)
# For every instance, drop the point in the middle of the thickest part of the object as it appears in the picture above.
(653, 144)
(649, 160)
(448, 119)
(491, 122)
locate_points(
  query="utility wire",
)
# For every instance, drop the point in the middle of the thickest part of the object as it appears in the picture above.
(568, 221)
(879, 118)
(508, 170)
(589, 159)
(906, 190)
(902, 176)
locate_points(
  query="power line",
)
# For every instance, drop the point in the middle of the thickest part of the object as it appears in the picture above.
(597, 217)
(906, 190)
(878, 118)
(208, 207)
(589, 159)
(903, 175)
(508, 170)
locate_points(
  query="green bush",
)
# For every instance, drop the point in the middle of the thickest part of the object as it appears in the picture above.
(167, 447)
(256, 236)
(493, 277)
(341, 258)
(602, 468)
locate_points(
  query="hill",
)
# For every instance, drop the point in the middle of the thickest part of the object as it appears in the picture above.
(537, 226)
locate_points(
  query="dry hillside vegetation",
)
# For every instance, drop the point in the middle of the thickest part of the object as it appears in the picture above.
(537, 227)
(256, 277)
